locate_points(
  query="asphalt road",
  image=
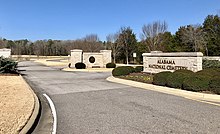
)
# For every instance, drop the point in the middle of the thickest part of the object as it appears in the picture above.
(88, 104)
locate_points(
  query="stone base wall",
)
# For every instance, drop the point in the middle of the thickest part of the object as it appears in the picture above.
(156, 62)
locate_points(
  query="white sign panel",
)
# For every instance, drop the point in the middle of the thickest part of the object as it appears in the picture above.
(159, 62)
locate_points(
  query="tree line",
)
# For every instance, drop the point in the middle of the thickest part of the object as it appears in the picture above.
(154, 37)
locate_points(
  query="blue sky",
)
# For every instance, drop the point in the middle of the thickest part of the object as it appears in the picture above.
(74, 19)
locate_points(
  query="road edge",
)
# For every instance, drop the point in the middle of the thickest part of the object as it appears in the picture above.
(34, 114)
(167, 90)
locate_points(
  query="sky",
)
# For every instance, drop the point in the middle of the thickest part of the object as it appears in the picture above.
(74, 19)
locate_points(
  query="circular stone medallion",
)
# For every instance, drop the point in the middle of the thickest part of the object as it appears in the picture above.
(92, 59)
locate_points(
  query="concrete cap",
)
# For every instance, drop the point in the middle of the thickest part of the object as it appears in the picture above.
(88, 53)
(5, 49)
(76, 50)
(174, 54)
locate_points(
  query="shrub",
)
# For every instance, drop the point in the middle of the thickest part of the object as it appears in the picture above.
(123, 70)
(210, 64)
(161, 78)
(138, 69)
(209, 72)
(183, 71)
(176, 79)
(196, 83)
(7, 65)
(110, 65)
(80, 65)
(214, 84)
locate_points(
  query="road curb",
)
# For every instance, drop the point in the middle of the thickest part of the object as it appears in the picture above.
(34, 114)
(167, 90)
(87, 70)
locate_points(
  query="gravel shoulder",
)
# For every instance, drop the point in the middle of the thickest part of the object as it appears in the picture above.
(17, 104)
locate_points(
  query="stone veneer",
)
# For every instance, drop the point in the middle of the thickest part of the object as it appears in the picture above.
(157, 61)
(101, 59)
(6, 53)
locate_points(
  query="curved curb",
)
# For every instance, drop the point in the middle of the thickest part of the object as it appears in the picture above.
(34, 114)
(53, 109)
(87, 70)
(167, 90)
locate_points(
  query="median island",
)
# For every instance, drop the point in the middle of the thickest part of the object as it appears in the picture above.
(16, 102)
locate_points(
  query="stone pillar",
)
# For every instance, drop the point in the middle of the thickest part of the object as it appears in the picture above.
(76, 56)
(107, 56)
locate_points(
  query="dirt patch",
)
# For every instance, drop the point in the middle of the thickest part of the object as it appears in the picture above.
(16, 104)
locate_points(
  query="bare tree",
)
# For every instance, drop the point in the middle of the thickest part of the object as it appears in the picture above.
(194, 35)
(91, 43)
(39, 47)
(151, 34)
(115, 47)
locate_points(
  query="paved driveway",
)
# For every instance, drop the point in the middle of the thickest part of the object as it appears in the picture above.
(88, 104)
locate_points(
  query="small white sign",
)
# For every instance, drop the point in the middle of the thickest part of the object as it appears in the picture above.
(134, 55)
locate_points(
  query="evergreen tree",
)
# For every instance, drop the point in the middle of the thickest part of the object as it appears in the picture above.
(211, 26)
(128, 41)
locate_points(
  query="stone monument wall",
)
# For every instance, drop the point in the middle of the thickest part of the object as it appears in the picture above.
(156, 62)
(90, 59)
(97, 62)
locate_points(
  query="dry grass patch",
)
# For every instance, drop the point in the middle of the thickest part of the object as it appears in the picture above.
(50, 62)
(140, 77)
(16, 104)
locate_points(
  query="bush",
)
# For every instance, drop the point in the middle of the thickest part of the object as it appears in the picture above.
(176, 79)
(138, 69)
(110, 65)
(214, 84)
(80, 65)
(123, 70)
(7, 65)
(196, 83)
(209, 72)
(183, 71)
(161, 78)
(210, 64)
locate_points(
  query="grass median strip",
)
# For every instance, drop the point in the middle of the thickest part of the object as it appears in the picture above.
(16, 102)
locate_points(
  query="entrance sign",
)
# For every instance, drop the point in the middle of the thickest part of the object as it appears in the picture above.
(157, 61)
